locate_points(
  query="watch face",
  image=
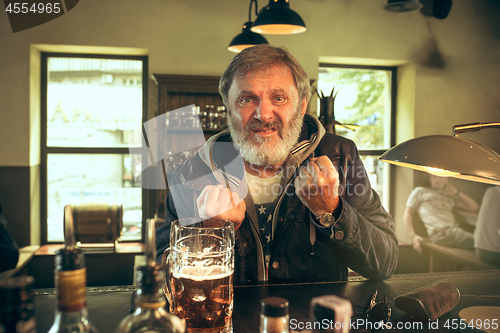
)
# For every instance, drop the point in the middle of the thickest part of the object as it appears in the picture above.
(327, 219)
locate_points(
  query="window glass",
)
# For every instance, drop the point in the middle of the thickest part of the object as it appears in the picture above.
(362, 104)
(93, 102)
(378, 174)
(93, 105)
(91, 178)
(363, 108)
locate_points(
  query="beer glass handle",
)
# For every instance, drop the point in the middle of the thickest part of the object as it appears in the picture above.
(165, 261)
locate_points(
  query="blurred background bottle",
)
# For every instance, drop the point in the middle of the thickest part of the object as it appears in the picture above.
(190, 118)
(215, 122)
(17, 313)
(208, 114)
(71, 315)
(150, 315)
(223, 117)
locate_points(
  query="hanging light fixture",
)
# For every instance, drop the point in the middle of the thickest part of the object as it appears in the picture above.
(449, 156)
(278, 19)
(247, 37)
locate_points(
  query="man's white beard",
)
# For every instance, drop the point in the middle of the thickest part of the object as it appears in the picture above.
(263, 151)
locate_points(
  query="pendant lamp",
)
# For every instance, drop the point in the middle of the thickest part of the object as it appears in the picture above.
(399, 6)
(278, 19)
(247, 38)
(449, 156)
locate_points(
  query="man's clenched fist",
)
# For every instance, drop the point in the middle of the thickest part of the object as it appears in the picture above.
(317, 186)
(217, 201)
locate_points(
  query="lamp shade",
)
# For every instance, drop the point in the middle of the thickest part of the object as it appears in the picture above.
(400, 6)
(278, 19)
(448, 156)
(246, 39)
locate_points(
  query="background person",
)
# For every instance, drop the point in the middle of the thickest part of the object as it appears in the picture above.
(434, 206)
(487, 232)
(9, 252)
(324, 216)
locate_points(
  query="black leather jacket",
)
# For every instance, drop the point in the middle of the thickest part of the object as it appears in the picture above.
(302, 250)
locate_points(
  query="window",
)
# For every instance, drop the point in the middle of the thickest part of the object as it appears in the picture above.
(364, 104)
(90, 106)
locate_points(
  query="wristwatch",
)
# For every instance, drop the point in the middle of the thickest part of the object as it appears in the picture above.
(326, 219)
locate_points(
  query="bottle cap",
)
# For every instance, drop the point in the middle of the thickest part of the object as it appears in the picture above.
(274, 307)
(69, 259)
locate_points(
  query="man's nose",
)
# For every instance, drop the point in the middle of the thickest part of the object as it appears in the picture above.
(264, 112)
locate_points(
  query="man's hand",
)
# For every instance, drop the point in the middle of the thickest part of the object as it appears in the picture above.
(317, 186)
(415, 242)
(219, 202)
(449, 190)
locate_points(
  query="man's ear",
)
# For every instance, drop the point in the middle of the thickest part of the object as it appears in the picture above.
(303, 107)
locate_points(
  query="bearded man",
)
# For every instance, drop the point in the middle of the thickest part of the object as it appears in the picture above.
(300, 200)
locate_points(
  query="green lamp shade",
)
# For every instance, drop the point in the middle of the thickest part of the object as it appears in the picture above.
(447, 156)
(246, 39)
(278, 19)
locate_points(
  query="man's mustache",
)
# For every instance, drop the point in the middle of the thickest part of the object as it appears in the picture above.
(256, 125)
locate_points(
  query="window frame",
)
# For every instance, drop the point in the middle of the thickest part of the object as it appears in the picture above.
(45, 150)
(393, 110)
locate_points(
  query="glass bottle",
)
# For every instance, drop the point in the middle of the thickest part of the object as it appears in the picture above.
(209, 109)
(274, 315)
(150, 315)
(17, 314)
(204, 117)
(196, 123)
(223, 117)
(215, 123)
(190, 119)
(70, 279)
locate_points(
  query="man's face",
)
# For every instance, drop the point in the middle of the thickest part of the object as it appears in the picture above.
(265, 115)
(438, 183)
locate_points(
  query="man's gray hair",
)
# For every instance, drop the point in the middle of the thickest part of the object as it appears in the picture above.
(261, 57)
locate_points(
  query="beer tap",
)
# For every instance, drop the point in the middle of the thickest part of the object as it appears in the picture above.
(69, 229)
(150, 251)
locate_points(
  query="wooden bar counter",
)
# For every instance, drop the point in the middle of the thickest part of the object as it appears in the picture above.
(108, 305)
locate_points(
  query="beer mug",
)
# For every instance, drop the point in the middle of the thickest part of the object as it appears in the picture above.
(200, 268)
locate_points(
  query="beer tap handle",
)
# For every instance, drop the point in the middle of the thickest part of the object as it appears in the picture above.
(69, 228)
(150, 242)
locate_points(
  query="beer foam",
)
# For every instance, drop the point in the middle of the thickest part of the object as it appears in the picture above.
(198, 273)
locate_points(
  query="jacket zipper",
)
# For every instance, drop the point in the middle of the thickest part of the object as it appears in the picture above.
(262, 258)
(276, 209)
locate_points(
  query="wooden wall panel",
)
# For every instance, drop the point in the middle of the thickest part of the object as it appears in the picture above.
(176, 91)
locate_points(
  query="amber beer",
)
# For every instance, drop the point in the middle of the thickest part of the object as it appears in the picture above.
(204, 297)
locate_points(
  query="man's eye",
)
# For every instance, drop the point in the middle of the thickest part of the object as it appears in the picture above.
(246, 100)
(280, 99)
